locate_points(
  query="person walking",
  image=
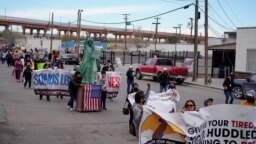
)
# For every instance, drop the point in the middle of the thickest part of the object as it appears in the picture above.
(130, 78)
(46, 66)
(228, 85)
(73, 89)
(164, 80)
(27, 75)
(103, 83)
(18, 69)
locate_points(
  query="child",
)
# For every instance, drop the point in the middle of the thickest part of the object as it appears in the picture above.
(103, 83)
(27, 74)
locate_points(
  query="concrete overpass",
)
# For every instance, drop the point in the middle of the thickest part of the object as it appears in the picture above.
(42, 25)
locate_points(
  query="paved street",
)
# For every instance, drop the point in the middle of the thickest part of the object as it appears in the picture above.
(31, 121)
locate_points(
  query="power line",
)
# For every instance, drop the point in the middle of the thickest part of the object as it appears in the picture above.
(216, 21)
(233, 12)
(142, 19)
(226, 14)
(216, 13)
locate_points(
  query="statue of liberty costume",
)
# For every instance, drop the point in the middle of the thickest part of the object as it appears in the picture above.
(88, 67)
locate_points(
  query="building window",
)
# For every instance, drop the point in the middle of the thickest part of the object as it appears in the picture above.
(251, 60)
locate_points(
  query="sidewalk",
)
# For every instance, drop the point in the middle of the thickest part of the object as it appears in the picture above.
(216, 83)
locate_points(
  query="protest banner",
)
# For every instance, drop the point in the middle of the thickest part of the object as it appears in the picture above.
(113, 83)
(153, 128)
(51, 82)
(211, 125)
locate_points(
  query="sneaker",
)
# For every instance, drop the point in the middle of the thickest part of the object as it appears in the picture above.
(71, 109)
(68, 107)
(105, 108)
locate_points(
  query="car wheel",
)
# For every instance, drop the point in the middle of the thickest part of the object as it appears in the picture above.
(138, 74)
(238, 92)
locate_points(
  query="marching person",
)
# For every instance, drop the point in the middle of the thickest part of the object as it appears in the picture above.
(137, 109)
(27, 75)
(228, 85)
(190, 105)
(130, 78)
(103, 83)
(164, 80)
(60, 66)
(73, 89)
(46, 66)
(208, 102)
(18, 69)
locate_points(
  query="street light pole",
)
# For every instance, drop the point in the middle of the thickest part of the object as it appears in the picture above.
(195, 43)
(51, 32)
(125, 19)
(78, 30)
(175, 51)
(156, 32)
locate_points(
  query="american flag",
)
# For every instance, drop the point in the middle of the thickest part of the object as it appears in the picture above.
(92, 97)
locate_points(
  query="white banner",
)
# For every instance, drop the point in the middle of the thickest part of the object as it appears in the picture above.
(217, 124)
(52, 82)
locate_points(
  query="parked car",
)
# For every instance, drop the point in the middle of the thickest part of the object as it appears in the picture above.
(242, 85)
(154, 66)
(70, 59)
(136, 53)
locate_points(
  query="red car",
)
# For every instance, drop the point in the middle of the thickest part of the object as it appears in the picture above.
(154, 66)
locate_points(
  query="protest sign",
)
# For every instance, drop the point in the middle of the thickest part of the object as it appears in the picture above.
(113, 83)
(52, 82)
(155, 129)
(211, 125)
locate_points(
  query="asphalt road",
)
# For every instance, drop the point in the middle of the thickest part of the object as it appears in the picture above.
(31, 121)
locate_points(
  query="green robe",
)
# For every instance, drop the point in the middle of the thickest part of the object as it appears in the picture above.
(88, 67)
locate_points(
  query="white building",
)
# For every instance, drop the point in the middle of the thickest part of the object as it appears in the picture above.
(33, 43)
(246, 50)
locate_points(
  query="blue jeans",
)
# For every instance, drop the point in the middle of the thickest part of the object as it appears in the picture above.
(129, 83)
(229, 94)
(163, 88)
(71, 100)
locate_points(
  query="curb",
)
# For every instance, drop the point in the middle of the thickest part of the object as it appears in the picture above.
(206, 86)
(3, 114)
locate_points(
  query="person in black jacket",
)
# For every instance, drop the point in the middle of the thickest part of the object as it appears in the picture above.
(164, 79)
(228, 89)
(73, 89)
(130, 78)
(27, 74)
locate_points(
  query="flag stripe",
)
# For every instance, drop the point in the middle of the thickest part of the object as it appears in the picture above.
(91, 98)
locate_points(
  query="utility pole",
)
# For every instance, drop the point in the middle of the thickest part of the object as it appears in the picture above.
(125, 19)
(175, 51)
(191, 29)
(179, 26)
(51, 32)
(206, 43)
(78, 31)
(156, 32)
(195, 43)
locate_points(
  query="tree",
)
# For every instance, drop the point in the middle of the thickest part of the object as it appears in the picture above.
(9, 37)
(172, 40)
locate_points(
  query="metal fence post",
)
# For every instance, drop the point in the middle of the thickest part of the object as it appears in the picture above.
(123, 57)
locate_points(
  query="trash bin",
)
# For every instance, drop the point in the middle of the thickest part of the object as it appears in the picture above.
(88, 98)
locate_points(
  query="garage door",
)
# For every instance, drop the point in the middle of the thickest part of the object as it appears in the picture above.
(251, 60)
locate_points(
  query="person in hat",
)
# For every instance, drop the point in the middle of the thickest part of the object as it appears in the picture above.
(164, 79)
(228, 85)
(130, 78)
(250, 99)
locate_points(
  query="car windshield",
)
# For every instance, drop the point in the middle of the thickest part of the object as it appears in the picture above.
(69, 56)
(164, 62)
